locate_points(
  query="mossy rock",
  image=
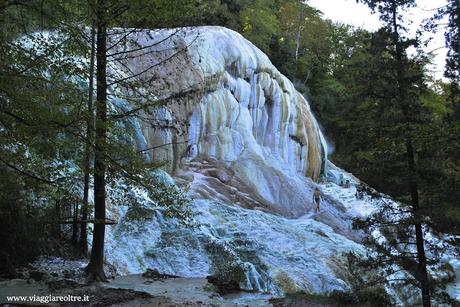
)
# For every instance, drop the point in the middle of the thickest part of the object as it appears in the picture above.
(286, 283)
(226, 264)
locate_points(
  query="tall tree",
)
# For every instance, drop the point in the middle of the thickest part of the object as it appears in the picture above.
(88, 147)
(390, 13)
(95, 268)
(114, 157)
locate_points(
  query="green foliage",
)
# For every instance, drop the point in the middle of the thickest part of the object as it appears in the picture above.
(259, 24)
(452, 36)
(43, 116)
(393, 135)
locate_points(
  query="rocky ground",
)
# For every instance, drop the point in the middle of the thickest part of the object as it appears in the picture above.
(58, 277)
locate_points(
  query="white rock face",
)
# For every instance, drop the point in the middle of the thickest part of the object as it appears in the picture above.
(271, 253)
(225, 101)
(246, 142)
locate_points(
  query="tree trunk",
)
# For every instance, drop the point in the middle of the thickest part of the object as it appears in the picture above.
(299, 31)
(425, 283)
(75, 225)
(421, 257)
(89, 133)
(95, 268)
(57, 212)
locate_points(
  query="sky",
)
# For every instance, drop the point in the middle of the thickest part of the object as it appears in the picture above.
(358, 14)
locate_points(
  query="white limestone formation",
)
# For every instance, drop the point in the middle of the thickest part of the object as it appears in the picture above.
(225, 103)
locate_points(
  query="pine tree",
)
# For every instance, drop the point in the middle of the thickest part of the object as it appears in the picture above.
(88, 147)
(95, 268)
(408, 106)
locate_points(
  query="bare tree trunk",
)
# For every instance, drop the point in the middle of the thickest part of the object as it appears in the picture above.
(95, 268)
(89, 133)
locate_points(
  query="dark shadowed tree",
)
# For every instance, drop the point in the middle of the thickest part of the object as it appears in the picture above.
(400, 135)
(95, 268)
